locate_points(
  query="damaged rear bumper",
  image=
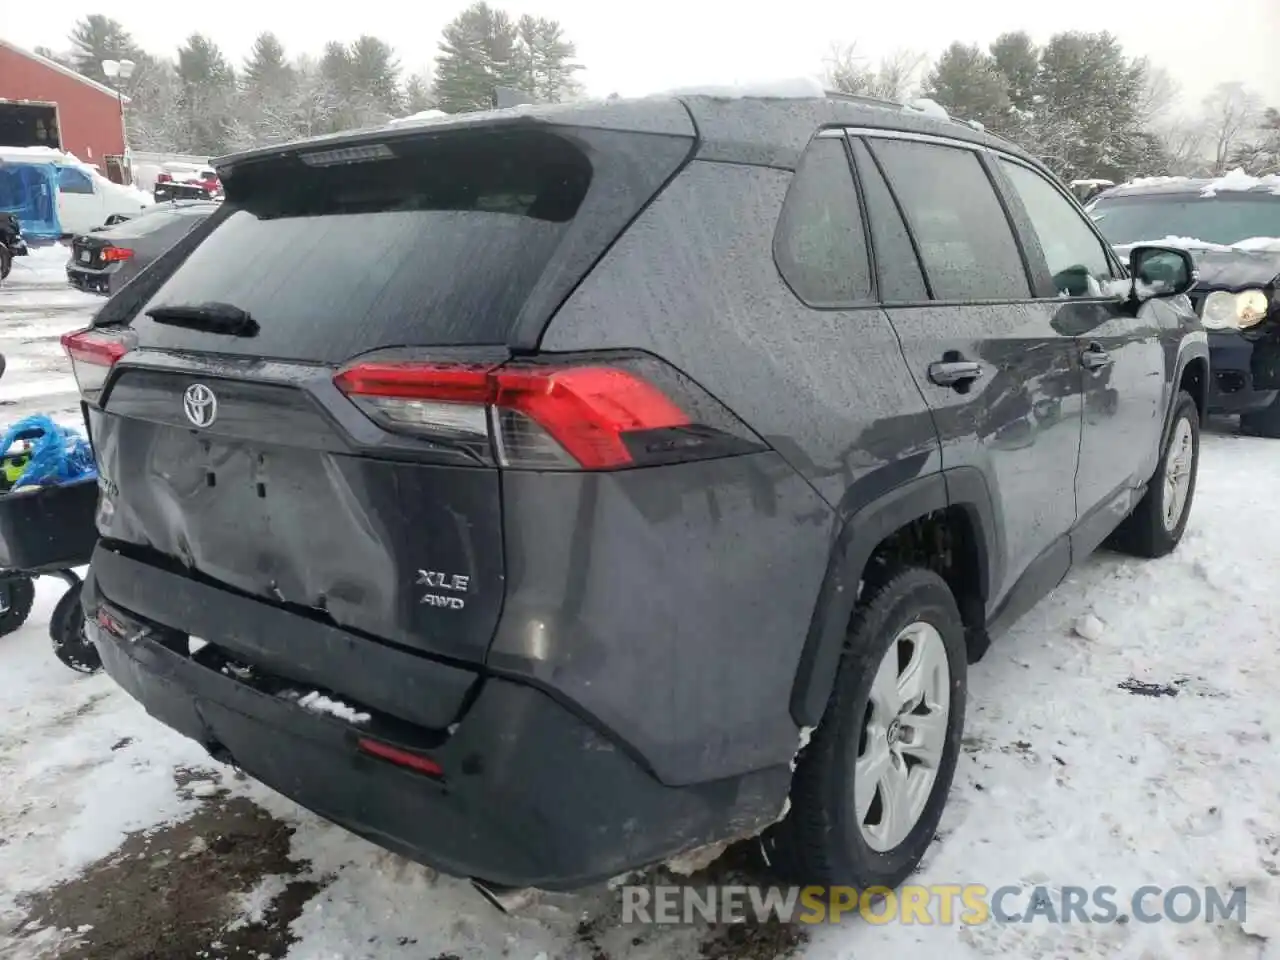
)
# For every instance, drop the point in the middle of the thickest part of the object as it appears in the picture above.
(529, 793)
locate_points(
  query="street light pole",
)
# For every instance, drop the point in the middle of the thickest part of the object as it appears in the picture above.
(124, 70)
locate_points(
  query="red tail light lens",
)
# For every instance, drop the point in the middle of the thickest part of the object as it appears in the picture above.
(116, 254)
(93, 352)
(567, 416)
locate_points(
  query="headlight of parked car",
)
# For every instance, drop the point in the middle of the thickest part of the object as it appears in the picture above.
(1234, 311)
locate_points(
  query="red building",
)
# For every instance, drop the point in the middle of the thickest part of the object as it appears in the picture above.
(88, 112)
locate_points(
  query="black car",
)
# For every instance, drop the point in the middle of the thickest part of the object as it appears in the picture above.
(107, 259)
(543, 485)
(1234, 234)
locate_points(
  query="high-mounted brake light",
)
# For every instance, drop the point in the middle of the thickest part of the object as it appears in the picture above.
(93, 352)
(538, 415)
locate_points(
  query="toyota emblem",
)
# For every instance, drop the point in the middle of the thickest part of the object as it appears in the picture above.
(200, 405)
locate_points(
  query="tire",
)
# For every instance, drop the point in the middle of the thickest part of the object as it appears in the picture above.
(70, 643)
(6, 262)
(1145, 532)
(823, 839)
(19, 594)
(1262, 423)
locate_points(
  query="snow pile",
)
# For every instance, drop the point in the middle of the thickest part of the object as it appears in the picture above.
(425, 116)
(789, 88)
(317, 702)
(1154, 181)
(1240, 182)
(930, 108)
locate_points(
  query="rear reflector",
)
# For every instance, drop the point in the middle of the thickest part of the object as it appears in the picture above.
(401, 758)
(93, 352)
(540, 413)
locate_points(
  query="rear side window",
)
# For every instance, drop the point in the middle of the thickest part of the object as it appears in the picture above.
(438, 243)
(897, 267)
(820, 247)
(965, 240)
(1072, 250)
(71, 180)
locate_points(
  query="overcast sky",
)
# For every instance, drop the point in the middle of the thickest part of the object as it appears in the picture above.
(641, 47)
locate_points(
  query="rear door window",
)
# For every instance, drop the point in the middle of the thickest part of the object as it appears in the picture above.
(898, 271)
(439, 241)
(820, 246)
(965, 240)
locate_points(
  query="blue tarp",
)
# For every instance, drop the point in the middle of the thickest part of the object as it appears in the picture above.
(31, 191)
(58, 454)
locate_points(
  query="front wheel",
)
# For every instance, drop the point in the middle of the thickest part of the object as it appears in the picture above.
(71, 644)
(1158, 521)
(870, 787)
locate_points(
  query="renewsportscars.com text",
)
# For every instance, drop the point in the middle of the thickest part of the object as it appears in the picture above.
(934, 904)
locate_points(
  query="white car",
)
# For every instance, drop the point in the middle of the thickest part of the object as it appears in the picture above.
(86, 199)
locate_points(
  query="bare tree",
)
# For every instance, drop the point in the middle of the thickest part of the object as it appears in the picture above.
(1186, 141)
(896, 77)
(1159, 93)
(1232, 114)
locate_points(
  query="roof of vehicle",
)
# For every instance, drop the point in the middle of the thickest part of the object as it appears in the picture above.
(744, 126)
(1237, 181)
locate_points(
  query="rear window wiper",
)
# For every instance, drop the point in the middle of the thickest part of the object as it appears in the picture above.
(210, 317)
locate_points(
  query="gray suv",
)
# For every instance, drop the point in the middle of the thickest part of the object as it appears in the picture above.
(555, 491)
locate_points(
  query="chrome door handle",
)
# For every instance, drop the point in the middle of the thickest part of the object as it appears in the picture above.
(951, 373)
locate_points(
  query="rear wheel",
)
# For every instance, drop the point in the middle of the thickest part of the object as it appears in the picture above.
(870, 787)
(6, 261)
(71, 644)
(17, 594)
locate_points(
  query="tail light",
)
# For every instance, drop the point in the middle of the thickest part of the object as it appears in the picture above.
(116, 254)
(93, 352)
(163, 178)
(584, 416)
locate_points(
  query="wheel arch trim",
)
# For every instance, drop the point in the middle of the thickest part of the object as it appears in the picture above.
(961, 487)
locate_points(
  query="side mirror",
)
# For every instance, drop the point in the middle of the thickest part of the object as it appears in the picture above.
(1161, 272)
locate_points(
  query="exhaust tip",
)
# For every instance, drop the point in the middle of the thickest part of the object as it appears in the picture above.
(507, 899)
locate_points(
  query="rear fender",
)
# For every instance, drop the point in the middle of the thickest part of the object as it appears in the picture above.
(962, 487)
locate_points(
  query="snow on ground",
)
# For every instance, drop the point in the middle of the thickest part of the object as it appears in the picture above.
(1068, 777)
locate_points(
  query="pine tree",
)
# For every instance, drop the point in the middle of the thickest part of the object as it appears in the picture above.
(478, 51)
(1087, 102)
(418, 95)
(546, 60)
(96, 38)
(375, 79)
(266, 70)
(208, 92)
(966, 81)
(1018, 61)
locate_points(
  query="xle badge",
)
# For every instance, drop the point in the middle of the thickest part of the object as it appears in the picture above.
(452, 582)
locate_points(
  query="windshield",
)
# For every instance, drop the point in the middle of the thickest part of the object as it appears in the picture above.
(1222, 220)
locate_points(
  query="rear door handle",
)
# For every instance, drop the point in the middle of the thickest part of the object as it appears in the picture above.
(1095, 358)
(953, 373)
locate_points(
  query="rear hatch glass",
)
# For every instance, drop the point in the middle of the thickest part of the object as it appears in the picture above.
(442, 242)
